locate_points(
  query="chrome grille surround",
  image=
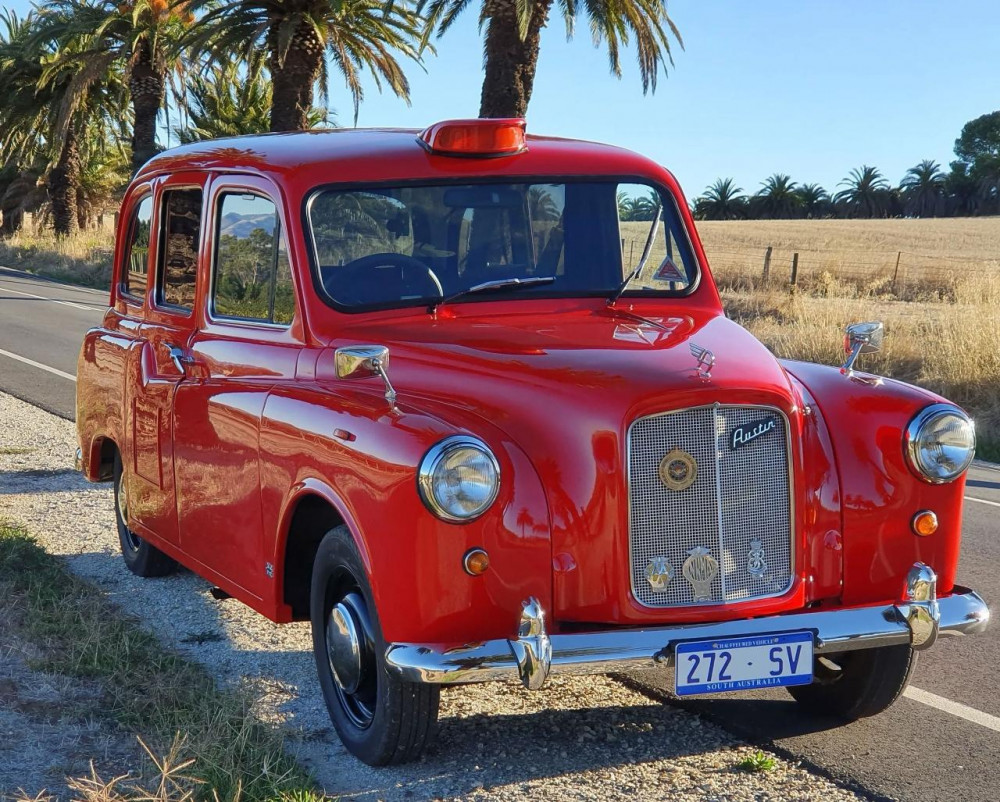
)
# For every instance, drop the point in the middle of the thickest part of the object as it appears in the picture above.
(739, 496)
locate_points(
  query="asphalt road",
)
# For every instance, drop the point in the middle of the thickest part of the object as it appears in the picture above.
(940, 742)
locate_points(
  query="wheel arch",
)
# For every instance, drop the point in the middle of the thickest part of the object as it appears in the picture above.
(312, 509)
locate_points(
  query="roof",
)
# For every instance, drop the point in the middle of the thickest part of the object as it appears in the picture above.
(310, 158)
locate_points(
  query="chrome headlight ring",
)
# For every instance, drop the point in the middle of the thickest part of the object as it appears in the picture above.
(940, 443)
(459, 479)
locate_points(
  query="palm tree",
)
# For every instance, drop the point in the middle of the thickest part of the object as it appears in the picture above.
(359, 36)
(814, 201)
(778, 198)
(723, 200)
(866, 192)
(923, 189)
(51, 95)
(231, 99)
(513, 33)
(143, 36)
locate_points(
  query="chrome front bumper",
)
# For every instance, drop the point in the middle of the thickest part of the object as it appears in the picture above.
(917, 619)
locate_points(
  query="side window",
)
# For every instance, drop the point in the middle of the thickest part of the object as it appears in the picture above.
(253, 278)
(178, 262)
(136, 267)
(668, 263)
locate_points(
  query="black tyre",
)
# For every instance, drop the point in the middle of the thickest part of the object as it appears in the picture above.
(857, 684)
(141, 558)
(380, 719)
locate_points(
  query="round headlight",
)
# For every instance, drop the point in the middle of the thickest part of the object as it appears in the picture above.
(940, 443)
(459, 479)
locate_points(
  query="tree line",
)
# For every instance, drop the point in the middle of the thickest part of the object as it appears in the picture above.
(84, 83)
(971, 186)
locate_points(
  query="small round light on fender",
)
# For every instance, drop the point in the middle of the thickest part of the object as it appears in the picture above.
(925, 523)
(475, 562)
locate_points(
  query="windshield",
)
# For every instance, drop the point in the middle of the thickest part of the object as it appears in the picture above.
(410, 245)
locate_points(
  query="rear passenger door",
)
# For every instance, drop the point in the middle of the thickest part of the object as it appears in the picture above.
(159, 365)
(247, 341)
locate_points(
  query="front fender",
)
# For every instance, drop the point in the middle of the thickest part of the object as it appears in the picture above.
(880, 494)
(368, 473)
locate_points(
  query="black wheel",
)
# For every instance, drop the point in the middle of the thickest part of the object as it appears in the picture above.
(141, 558)
(857, 684)
(380, 719)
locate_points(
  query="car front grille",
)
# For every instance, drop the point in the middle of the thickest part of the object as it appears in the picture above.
(735, 518)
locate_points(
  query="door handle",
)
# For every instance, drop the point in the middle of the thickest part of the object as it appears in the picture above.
(179, 358)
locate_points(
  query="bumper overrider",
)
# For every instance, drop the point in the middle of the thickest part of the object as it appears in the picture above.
(917, 619)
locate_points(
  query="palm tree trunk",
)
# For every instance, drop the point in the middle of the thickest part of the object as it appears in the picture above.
(63, 182)
(510, 62)
(293, 77)
(147, 87)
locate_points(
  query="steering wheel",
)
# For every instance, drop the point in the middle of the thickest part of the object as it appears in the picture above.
(360, 271)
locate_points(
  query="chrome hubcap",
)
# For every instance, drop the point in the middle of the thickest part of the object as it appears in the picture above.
(343, 648)
(350, 655)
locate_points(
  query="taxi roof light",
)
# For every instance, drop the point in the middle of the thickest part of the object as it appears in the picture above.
(488, 137)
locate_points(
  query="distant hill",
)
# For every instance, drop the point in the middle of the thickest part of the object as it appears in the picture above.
(240, 225)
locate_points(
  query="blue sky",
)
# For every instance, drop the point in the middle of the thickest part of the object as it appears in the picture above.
(804, 87)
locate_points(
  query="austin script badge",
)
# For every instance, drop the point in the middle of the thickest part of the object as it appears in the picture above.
(748, 432)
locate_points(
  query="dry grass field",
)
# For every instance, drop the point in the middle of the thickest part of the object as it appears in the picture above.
(941, 306)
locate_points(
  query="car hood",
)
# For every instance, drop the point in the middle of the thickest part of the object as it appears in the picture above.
(589, 369)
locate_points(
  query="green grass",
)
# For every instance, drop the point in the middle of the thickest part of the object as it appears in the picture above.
(170, 703)
(756, 762)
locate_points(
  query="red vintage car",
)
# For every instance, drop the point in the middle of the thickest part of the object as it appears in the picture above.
(468, 401)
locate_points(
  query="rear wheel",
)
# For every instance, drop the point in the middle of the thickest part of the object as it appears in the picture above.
(857, 684)
(379, 718)
(141, 558)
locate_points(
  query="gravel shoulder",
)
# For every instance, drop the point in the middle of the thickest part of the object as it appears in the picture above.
(580, 738)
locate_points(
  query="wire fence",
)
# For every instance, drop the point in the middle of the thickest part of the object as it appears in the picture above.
(901, 272)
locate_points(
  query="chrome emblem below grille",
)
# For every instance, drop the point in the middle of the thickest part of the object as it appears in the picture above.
(756, 566)
(659, 573)
(699, 570)
(678, 470)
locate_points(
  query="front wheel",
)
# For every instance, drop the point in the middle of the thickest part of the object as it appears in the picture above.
(379, 718)
(141, 558)
(857, 684)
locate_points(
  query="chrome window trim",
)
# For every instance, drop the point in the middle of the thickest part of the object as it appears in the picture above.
(792, 534)
(913, 429)
(158, 300)
(244, 322)
(430, 460)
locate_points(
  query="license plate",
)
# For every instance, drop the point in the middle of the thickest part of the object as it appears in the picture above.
(739, 664)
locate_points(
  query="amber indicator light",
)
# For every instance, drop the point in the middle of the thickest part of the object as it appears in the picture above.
(476, 561)
(925, 523)
(494, 137)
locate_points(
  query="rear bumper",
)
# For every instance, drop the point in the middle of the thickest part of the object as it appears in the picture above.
(917, 619)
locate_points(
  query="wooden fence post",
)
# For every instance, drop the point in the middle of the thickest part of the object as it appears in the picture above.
(895, 273)
(767, 263)
(795, 268)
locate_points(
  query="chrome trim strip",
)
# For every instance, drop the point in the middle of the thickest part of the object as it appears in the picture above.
(720, 518)
(963, 613)
(793, 491)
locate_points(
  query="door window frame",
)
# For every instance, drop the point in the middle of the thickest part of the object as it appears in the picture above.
(128, 302)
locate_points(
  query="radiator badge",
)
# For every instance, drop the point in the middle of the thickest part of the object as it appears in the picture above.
(699, 570)
(659, 573)
(678, 470)
(756, 566)
(748, 432)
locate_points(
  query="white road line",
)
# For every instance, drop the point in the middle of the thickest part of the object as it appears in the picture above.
(39, 365)
(955, 708)
(983, 501)
(45, 298)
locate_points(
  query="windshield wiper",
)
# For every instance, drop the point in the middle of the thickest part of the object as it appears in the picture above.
(497, 284)
(642, 260)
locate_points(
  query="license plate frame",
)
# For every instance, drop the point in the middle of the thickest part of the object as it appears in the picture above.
(699, 666)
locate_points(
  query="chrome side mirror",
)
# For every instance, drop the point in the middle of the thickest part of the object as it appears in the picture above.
(365, 361)
(862, 338)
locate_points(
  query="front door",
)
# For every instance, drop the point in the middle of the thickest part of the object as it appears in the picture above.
(158, 366)
(246, 342)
